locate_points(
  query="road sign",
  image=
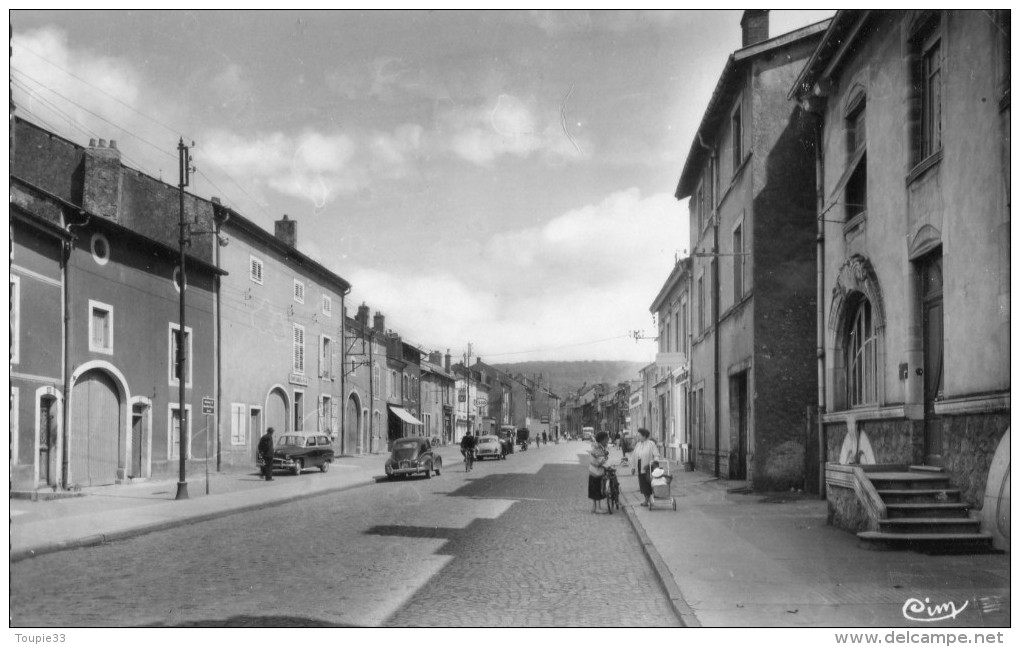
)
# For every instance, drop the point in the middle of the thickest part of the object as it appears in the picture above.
(209, 405)
(481, 402)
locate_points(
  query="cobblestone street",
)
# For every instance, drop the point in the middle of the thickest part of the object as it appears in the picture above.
(511, 543)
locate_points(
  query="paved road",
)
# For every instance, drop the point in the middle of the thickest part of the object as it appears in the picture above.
(510, 544)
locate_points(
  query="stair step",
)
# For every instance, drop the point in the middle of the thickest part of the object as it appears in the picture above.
(928, 510)
(915, 493)
(925, 468)
(907, 480)
(924, 536)
(929, 525)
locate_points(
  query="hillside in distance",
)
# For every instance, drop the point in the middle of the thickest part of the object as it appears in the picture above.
(563, 378)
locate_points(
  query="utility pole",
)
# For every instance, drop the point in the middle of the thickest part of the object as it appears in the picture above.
(467, 390)
(182, 483)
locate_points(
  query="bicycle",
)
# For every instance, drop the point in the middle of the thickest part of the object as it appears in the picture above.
(611, 487)
(469, 459)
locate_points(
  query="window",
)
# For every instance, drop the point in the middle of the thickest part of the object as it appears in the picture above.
(237, 416)
(676, 330)
(255, 269)
(861, 360)
(668, 336)
(299, 291)
(856, 191)
(375, 381)
(405, 394)
(931, 98)
(926, 99)
(299, 349)
(326, 358)
(15, 318)
(701, 304)
(325, 414)
(174, 429)
(738, 263)
(174, 354)
(100, 248)
(700, 207)
(299, 410)
(683, 325)
(736, 135)
(393, 384)
(100, 327)
(327, 305)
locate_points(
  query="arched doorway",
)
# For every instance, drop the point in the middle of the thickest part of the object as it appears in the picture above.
(276, 411)
(351, 425)
(97, 434)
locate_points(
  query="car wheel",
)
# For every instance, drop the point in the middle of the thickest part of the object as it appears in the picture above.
(428, 471)
(324, 467)
(298, 466)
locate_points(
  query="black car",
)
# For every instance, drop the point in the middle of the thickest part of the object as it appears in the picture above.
(295, 451)
(413, 456)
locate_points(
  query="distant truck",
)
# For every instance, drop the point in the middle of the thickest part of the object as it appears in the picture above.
(587, 433)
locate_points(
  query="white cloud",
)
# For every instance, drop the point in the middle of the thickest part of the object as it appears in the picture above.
(587, 276)
(511, 125)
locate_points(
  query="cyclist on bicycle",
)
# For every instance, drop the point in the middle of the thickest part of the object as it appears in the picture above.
(467, 444)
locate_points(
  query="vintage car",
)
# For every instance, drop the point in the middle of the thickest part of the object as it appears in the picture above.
(413, 456)
(295, 451)
(488, 447)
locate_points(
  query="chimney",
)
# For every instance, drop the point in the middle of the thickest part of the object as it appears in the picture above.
(362, 317)
(102, 180)
(286, 231)
(755, 26)
(435, 357)
(379, 322)
(447, 365)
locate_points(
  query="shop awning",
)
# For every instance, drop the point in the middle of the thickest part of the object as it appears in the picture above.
(406, 416)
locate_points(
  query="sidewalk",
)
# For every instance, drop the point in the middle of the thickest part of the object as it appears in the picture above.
(728, 559)
(121, 511)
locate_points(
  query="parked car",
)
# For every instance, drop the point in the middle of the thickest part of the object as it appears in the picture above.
(296, 451)
(587, 433)
(413, 456)
(488, 447)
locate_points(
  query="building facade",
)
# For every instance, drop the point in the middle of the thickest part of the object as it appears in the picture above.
(750, 179)
(671, 308)
(281, 327)
(913, 328)
(117, 416)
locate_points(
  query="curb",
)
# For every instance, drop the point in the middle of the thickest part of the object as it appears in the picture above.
(684, 612)
(128, 533)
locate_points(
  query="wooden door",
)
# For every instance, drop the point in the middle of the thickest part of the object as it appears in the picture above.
(95, 431)
(351, 419)
(930, 275)
(276, 412)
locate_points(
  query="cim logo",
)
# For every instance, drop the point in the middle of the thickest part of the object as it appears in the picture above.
(914, 609)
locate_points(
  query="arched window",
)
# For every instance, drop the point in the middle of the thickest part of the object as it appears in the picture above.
(861, 355)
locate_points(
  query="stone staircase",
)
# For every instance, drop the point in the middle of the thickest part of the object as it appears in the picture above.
(924, 512)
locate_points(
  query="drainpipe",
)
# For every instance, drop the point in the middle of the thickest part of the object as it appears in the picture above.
(371, 392)
(66, 361)
(820, 298)
(714, 265)
(218, 341)
(343, 371)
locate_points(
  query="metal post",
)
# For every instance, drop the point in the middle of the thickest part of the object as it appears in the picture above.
(182, 483)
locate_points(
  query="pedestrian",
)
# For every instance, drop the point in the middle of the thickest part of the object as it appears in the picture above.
(646, 452)
(598, 455)
(266, 452)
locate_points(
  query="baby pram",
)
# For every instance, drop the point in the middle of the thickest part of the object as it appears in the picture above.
(661, 480)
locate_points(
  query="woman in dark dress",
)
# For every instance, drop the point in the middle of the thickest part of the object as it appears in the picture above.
(598, 455)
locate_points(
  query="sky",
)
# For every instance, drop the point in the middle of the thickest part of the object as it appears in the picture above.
(499, 178)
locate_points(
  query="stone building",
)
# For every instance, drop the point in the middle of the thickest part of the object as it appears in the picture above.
(96, 396)
(281, 330)
(750, 177)
(913, 112)
(671, 308)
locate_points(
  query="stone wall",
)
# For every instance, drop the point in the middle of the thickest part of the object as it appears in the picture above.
(845, 510)
(894, 441)
(968, 446)
(835, 432)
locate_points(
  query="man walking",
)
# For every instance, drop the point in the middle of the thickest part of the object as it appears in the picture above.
(266, 452)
